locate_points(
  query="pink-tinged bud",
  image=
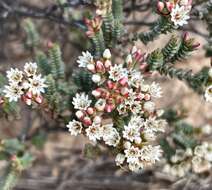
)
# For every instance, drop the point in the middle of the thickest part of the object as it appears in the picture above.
(90, 111)
(123, 81)
(87, 121)
(1, 100)
(110, 84)
(100, 67)
(39, 99)
(143, 66)
(169, 6)
(140, 96)
(13, 158)
(189, 2)
(29, 95)
(91, 67)
(26, 100)
(125, 91)
(160, 6)
(119, 99)
(109, 108)
(50, 44)
(147, 97)
(97, 120)
(107, 64)
(185, 36)
(196, 45)
(134, 49)
(79, 114)
(129, 59)
(96, 93)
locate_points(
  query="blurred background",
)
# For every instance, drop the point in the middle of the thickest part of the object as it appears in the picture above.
(60, 163)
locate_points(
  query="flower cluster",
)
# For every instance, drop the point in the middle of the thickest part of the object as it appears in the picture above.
(198, 160)
(178, 10)
(122, 114)
(27, 84)
(208, 91)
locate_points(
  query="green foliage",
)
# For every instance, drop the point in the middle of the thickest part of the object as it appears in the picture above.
(56, 62)
(39, 140)
(161, 26)
(32, 38)
(82, 79)
(155, 60)
(166, 147)
(10, 180)
(43, 63)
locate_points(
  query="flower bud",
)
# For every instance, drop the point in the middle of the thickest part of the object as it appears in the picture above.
(134, 49)
(124, 91)
(87, 121)
(169, 6)
(129, 59)
(107, 54)
(96, 93)
(107, 64)
(160, 6)
(97, 120)
(90, 111)
(147, 97)
(79, 114)
(110, 84)
(1, 100)
(29, 95)
(96, 78)
(127, 145)
(91, 67)
(109, 108)
(100, 67)
(123, 81)
(27, 100)
(39, 99)
(149, 106)
(138, 140)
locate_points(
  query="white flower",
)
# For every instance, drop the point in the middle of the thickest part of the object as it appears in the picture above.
(155, 90)
(131, 132)
(85, 59)
(200, 150)
(136, 120)
(208, 94)
(206, 129)
(135, 166)
(81, 101)
(30, 69)
(135, 79)
(122, 109)
(119, 159)
(13, 92)
(112, 138)
(15, 76)
(149, 106)
(132, 154)
(93, 132)
(151, 153)
(35, 85)
(75, 127)
(180, 15)
(117, 72)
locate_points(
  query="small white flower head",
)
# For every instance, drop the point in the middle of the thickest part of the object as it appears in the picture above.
(93, 132)
(151, 153)
(30, 69)
(36, 85)
(122, 109)
(15, 76)
(135, 79)
(180, 15)
(206, 129)
(208, 94)
(200, 150)
(132, 154)
(74, 127)
(149, 106)
(85, 59)
(127, 145)
(131, 132)
(120, 158)
(155, 90)
(13, 92)
(81, 101)
(117, 72)
(107, 54)
(135, 167)
(136, 120)
(112, 138)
